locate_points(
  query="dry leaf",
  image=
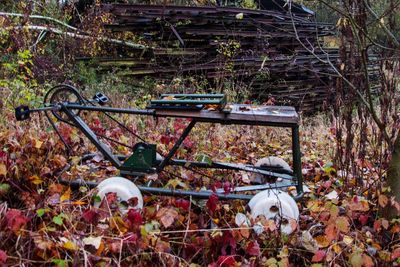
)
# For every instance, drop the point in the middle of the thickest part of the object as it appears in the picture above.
(308, 241)
(94, 241)
(167, 216)
(66, 196)
(342, 223)
(3, 169)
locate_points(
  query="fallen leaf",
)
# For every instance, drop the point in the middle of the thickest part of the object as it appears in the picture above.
(3, 169)
(331, 232)
(117, 223)
(3, 257)
(66, 196)
(342, 223)
(212, 203)
(38, 143)
(318, 256)
(182, 203)
(241, 220)
(308, 241)
(383, 200)
(363, 219)
(35, 179)
(90, 216)
(385, 224)
(135, 217)
(367, 261)
(395, 254)
(93, 241)
(253, 248)
(70, 245)
(348, 240)
(356, 259)
(59, 220)
(15, 220)
(167, 216)
(322, 241)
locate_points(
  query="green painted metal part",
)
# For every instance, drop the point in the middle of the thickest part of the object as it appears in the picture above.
(143, 158)
(182, 100)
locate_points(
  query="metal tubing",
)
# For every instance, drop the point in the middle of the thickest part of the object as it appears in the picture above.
(110, 109)
(78, 122)
(297, 159)
(176, 146)
(232, 166)
(171, 192)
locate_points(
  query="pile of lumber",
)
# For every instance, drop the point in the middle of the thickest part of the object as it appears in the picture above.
(271, 53)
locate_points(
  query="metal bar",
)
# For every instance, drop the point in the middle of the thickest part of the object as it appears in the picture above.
(196, 95)
(176, 146)
(78, 122)
(186, 101)
(110, 109)
(177, 35)
(258, 187)
(196, 194)
(233, 166)
(297, 159)
(171, 192)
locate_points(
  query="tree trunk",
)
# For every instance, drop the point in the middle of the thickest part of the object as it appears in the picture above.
(393, 179)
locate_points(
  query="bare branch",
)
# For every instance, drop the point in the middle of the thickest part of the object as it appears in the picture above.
(40, 17)
(79, 36)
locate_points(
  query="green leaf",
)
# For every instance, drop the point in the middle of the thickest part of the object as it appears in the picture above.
(96, 198)
(41, 212)
(59, 262)
(356, 259)
(58, 219)
(4, 189)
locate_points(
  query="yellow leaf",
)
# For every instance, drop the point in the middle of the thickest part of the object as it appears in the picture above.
(117, 223)
(35, 179)
(3, 169)
(70, 245)
(337, 248)
(342, 223)
(38, 143)
(383, 200)
(66, 195)
(356, 259)
(322, 241)
(79, 202)
(348, 240)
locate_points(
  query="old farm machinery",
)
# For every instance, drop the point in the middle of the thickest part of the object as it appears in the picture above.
(271, 175)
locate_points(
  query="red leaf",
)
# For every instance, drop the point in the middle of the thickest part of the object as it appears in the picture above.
(3, 257)
(212, 202)
(165, 139)
(363, 219)
(253, 248)
(187, 143)
(225, 261)
(216, 186)
(131, 238)
(395, 254)
(318, 256)
(182, 203)
(90, 216)
(135, 217)
(109, 201)
(227, 187)
(15, 220)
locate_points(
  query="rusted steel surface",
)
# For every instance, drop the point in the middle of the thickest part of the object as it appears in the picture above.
(271, 53)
